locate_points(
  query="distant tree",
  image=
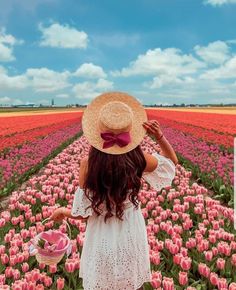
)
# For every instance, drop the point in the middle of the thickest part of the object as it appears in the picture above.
(182, 105)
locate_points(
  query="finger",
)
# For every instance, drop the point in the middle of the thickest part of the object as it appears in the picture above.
(156, 126)
(153, 126)
(152, 131)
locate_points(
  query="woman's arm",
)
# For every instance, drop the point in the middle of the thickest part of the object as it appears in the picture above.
(153, 127)
(67, 213)
(167, 150)
(62, 212)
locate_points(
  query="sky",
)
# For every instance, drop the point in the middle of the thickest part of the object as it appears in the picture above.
(159, 51)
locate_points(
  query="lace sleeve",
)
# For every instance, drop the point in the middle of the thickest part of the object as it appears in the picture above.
(163, 175)
(80, 203)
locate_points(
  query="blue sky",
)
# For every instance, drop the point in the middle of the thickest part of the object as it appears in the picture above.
(160, 51)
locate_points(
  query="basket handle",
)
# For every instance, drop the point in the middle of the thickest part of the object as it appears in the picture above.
(63, 221)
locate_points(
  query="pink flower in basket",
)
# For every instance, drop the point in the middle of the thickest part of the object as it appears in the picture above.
(52, 242)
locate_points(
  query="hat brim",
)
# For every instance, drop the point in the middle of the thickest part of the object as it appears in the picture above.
(90, 120)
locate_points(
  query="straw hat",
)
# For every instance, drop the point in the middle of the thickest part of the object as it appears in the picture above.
(112, 122)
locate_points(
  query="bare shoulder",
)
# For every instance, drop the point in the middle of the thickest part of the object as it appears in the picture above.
(151, 162)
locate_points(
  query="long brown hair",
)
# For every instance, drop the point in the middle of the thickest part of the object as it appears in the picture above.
(110, 176)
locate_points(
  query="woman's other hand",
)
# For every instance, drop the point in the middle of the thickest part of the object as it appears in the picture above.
(153, 127)
(58, 214)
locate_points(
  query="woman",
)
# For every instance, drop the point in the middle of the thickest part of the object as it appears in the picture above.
(115, 252)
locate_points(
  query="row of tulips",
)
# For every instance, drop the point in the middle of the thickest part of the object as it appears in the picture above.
(208, 162)
(223, 123)
(19, 163)
(19, 124)
(209, 136)
(191, 236)
(28, 136)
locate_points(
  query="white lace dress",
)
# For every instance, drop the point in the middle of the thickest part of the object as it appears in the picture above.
(115, 254)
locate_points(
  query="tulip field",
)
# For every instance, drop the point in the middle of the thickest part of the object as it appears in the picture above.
(27, 141)
(190, 224)
(204, 144)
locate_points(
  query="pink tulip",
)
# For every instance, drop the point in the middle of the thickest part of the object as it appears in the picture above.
(214, 251)
(220, 263)
(156, 259)
(42, 266)
(2, 249)
(204, 270)
(31, 285)
(40, 287)
(35, 276)
(52, 268)
(185, 263)
(232, 286)
(69, 266)
(208, 255)
(13, 251)
(2, 279)
(168, 283)
(177, 258)
(183, 278)
(233, 260)
(222, 283)
(25, 267)
(60, 283)
(16, 274)
(156, 283)
(174, 249)
(214, 279)
(4, 259)
(48, 281)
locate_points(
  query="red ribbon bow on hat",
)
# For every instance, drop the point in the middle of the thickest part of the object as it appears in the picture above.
(121, 139)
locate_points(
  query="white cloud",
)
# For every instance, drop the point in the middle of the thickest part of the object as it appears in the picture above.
(169, 80)
(216, 52)
(89, 90)
(12, 82)
(7, 101)
(46, 80)
(39, 79)
(89, 70)
(7, 41)
(219, 2)
(169, 61)
(225, 71)
(103, 84)
(57, 35)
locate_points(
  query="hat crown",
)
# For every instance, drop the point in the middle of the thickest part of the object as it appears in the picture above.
(116, 115)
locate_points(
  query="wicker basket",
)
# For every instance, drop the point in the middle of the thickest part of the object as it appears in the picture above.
(46, 257)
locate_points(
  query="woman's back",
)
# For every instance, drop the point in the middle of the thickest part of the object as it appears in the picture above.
(111, 179)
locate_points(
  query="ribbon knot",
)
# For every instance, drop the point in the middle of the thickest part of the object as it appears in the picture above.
(121, 139)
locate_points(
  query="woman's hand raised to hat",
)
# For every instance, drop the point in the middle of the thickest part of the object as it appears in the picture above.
(153, 127)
